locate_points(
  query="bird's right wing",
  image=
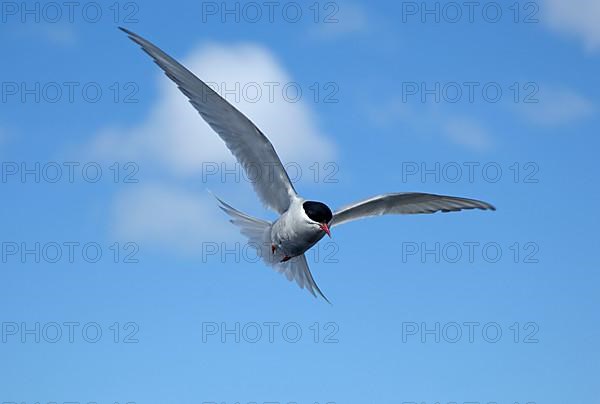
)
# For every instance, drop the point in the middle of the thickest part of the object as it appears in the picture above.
(248, 144)
(405, 203)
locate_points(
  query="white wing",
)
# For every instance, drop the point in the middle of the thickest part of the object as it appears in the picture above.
(248, 144)
(405, 203)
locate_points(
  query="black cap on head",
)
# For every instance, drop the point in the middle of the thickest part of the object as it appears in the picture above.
(317, 211)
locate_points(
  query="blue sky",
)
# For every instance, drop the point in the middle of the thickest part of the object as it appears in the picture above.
(394, 97)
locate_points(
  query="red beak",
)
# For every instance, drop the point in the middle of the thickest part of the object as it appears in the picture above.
(325, 228)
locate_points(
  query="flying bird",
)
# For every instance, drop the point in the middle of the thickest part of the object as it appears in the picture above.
(301, 223)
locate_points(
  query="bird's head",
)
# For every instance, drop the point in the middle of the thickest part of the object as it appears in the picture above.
(319, 214)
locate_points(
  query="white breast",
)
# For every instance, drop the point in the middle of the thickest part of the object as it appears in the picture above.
(293, 234)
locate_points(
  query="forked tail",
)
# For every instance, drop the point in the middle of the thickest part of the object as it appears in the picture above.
(258, 233)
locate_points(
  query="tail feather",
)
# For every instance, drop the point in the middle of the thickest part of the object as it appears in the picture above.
(297, 268)
(258, 233)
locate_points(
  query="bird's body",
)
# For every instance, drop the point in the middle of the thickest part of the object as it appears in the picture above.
(294, 233)
(302, 223)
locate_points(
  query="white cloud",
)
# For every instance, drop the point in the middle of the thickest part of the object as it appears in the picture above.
(429, 120)
(173, 142)
(168, 218)
(467, 132)
(556, 107)
(348, 18)
(53, 33)
(577, 18)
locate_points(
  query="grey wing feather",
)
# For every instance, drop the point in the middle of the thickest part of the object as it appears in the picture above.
(247, 143)
(406, 203)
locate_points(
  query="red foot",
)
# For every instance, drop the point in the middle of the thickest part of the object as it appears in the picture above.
(273, 248)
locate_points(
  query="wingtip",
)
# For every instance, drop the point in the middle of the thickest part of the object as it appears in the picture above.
(489, 206)
(133, 36)
(125, 30)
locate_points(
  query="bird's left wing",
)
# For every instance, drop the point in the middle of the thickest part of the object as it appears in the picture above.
(405, 203)
(248, 144)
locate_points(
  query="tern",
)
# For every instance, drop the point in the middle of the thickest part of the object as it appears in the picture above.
(301, 223)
